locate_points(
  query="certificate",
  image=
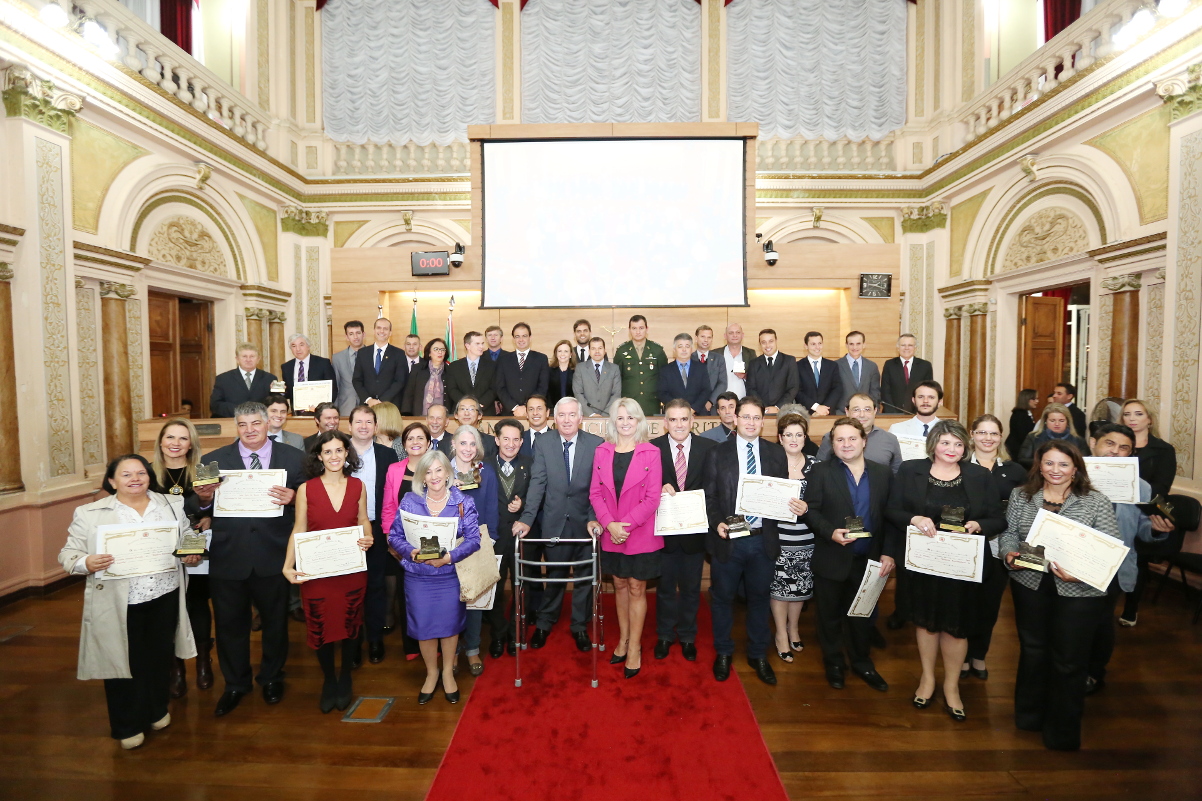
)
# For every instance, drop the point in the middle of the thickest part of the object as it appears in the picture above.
(329, 552)
(871, 587)
(1084, 553)
(912, 448)
(682, 513)
(139, 549)
(484, 602)
(418, 526)
(947, 554)
(247, 493)
(767, 496)
(1117, 478)
(307, 394)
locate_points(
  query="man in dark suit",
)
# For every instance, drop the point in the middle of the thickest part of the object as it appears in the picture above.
(374, 461)
(413, 354)
(306, 366)
(467, 413)
(521, 373)
(683, 557)
(818, 386)
(900, 375)
(244, 384)
(246, 560)
(559, 489)
(436, 421)
(857, 373)
(327, 419)
(380, 368)
(513, 487)
(847, 486)
(685, 377)
(472, 375)
(538, 418)
(1067, 394)
(772, 376)
(750, 558)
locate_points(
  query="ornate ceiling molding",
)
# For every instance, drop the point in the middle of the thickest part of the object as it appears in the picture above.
(38, 99)
(921, 219)
(1182, 92)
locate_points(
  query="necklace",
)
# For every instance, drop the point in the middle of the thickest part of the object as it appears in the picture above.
(441, 502)
(177, 479)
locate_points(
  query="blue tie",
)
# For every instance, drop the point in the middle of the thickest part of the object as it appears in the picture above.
(855, 372)
(379, 354)
(567, 460)
(751, 472)
(925, 426)
(816, 379)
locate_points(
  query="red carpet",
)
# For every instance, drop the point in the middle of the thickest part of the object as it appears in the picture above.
(671, 732)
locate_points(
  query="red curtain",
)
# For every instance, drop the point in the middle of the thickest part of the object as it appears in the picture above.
(1058, 15)
(175, 22)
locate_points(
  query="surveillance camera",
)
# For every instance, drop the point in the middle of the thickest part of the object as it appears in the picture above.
(770, 254)
(456, 258)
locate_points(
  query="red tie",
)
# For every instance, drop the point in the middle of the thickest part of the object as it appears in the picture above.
(906, 367)
(681, 466)
(703, 358)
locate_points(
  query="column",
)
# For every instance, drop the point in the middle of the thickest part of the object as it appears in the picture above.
(1124, 338)
(275, 325)
(924, 233)
(10, 445)
(951, 357)
(254, 334)
(978, 348)
(119, 434)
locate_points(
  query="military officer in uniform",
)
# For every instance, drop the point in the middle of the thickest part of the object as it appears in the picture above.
(641, 361)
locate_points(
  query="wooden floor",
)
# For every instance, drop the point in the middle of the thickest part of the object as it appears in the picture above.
(1143, 734)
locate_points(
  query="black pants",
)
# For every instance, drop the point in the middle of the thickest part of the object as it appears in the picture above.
(375, 601)
(140, 700)
(1103, 639)
(992, 590)
(1148, 552)
(500, 617)
(582, 593)
(196, 599)
(231, 609)
(1055, 634)
(678, 596)
(835, 628)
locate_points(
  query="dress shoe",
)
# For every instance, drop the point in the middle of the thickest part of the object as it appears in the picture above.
(964, 671)
(511, 646)
(722, 667)
(204, 666)
(425, 698)
(630, 673)
(614, 659)
(388, 630)
(763, 670)
(273, 692)
(834, 676)
(583, 643)
(298, 614)
(228, 701)
(539, 638)
(661, 648)
(161, 723)
(982, 674)
(329, 697)
(921, 703)
(1093, 686)
(1128, 622)
(475, 668)
(496, 648)
(357, 655)
(179, 681)
(875, 638)
(375, 651)
(689, 651)
(130, 743)
(453, 698)
(256, 622)
(785, 657)
(797, 645)
(345, 692)
(955, 714)
(873, 680)
(895, 621)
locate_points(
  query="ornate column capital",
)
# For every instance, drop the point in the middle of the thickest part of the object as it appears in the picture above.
(1182, 92)
(37, 99)
(920, 219)
(953, 312)
(973, 309)
(257, 314)
(6, 271)
(122, 291)
(1122, 283)
(304, 222)
(276, 316)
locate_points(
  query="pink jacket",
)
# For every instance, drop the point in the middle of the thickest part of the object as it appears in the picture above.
(640, 497)
(392, 488)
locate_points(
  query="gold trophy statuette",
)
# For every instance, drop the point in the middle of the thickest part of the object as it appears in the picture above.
(207, 474)
(1031, 557)
(855, 528)
(430, 550)
(952, 519)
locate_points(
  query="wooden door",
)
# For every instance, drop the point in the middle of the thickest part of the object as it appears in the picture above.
(1042, 353)
(164, 353)
(196, 353)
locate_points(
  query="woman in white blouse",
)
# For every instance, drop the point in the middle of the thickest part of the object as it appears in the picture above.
(131, 627)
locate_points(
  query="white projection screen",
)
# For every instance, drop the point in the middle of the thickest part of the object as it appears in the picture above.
(614, 222)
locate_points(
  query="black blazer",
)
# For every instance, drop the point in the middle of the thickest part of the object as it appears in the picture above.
(246, 546)
(514, 386)
(457, 382)
(669, 385)
(896, 393)
(830, 389)
(778, 385)
(1021, 424)
(414, 394)
(389, 383)
(1006, 476)
(553, 392)
(229, 391)
(528, 440)
(1081, 427)
(1157, 465)
(699, 449)
(320, 369)
(720, 479)
(830, 503)
(521, 486)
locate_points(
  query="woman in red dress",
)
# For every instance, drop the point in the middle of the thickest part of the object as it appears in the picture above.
(333, 606)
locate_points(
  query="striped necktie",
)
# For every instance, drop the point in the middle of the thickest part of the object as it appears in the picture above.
(681, 466)
(255, 463)
(751, 472)
(521, 361)
(567, 459)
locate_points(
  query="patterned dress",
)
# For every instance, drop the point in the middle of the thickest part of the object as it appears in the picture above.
(793, 579)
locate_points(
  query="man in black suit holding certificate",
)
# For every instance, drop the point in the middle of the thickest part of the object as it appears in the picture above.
(380, 368)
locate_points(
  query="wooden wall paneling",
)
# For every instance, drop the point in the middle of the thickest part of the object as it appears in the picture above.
(163, 337)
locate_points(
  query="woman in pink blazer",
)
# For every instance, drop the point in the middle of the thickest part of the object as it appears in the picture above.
(625, 491)
(398, 481)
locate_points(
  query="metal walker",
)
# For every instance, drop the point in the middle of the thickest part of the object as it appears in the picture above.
(520, 566)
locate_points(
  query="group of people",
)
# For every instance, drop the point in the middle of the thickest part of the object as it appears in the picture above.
(540, 476)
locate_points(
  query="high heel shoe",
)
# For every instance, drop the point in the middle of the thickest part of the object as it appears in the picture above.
(785, 657)
(425, 698)
(329, 697)
(797, 646)
(615, 659)
(452, 698)
(955, 714)
(921, 703)
(345, 692)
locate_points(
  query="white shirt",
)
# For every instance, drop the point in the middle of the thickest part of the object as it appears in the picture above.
(367, 474)
(147, 588)
(688, 449)
(248, 376)
(571, 451)
(907, 365)
(741, 445)
(853, 362)
(296, 368)
(523, 353)
(733, 382)
(911, 428)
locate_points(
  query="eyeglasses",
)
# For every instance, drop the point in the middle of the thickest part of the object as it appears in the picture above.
(750, 418)
(986, 434)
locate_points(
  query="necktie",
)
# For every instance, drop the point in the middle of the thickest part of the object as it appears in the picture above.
(855, 372)
(379, 358)
(300, 372)
(580, 354)
(770, 358)
(567, 459)
(703, 358)
(598, 366)
(681, 466)
(684, 375)
(246, 378)
(471, 366)
(521, 360)
(815, 372)
(906, 367)
(924, 429)
(507, 469)
(255, 464)
(751, 472)
(272, 437)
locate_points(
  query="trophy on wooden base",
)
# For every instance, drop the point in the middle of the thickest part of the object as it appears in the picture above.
(207, 474)
(855, 528)
(1031, 557)
(952, 519)
(736, 524)
(430, 550)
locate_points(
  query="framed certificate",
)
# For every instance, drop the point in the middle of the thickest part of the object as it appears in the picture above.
(947, 554)
(247, 493)
(1115, 477)
(682, 513)
(912, 448)
(418, 526)
(307, 394)
(1083, 552)
(871, 587)
(329, 552)
(140, 549)
(767, 496)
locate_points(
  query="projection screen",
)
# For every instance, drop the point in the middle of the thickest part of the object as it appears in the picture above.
(614, 222)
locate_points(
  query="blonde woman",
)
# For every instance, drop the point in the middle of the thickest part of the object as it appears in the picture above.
(389, 425)
(1056, 423)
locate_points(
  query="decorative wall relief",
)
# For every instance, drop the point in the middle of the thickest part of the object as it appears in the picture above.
(1154, 344)
(54, 307)
(90, 399)
(1185, 303)
(137, 382)
(1049, 234)
(915, 292)
(184, 242)
(1099, 385)
(313, 295)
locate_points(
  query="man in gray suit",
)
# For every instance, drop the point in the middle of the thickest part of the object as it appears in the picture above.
(728, 366)
(598, 381)
(344, 368)
(559, 489)
(856, 373)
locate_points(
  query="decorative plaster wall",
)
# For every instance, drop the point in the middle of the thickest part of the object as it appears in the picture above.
(1049, 234)
(59, 397)
(963, 215)
(1186, 304)
(97, 157)
(90, 399)
(185, 242)
(1141, 148)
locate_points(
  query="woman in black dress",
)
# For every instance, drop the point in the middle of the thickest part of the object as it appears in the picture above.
(945, 611)
(563, 370)
(1022, 420)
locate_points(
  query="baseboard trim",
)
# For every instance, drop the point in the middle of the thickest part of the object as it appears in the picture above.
(39, 592)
